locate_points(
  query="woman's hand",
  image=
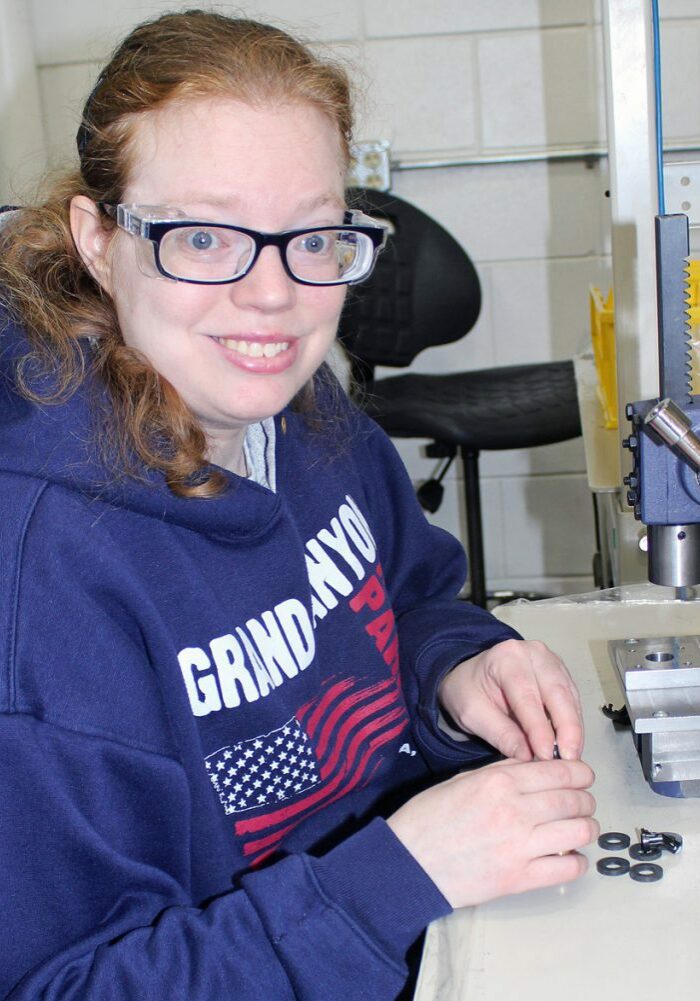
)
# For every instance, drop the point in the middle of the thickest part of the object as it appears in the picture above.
(501, 829)
(520, 698)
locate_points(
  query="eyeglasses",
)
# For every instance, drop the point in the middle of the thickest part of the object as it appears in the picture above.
(205, 253)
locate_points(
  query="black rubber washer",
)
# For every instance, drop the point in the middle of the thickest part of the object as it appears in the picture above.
(613, 841)
(611, 865)
(646, 872)
(650, 855)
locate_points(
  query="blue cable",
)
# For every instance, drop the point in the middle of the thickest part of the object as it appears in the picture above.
(659, 120)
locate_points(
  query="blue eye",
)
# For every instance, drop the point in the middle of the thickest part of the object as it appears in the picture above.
(315, 243)
(201, 239)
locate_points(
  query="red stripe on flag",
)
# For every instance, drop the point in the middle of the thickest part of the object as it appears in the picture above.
(362, 735)
(259, 844)
(335, 692)
(271, 842)
(346, 705)
(328, 766)
(256, 824)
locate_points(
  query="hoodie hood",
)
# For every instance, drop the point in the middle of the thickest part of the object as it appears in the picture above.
(55, 442)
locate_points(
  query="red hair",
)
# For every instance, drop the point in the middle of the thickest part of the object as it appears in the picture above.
(183, 56)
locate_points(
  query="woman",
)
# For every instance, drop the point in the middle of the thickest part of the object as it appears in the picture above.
(229, 630)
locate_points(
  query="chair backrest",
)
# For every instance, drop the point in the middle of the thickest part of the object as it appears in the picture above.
(423, 291)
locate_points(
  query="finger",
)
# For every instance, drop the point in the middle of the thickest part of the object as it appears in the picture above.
(560, 804)
(551, 870)
(543, 776)
(530, 718)
(561, 701)
(546, 704)
(563, 836)
(498, 729)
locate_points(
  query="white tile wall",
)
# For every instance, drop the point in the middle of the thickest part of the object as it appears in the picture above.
(680, 75)
(537, 307)
(463, 77)
(678, 8)
(564, 457)
(411, 78)
(548, 525)
(415, 17)
(519, 211)
(64, 90)
(71, 31)
(540, 89)
(325, 20)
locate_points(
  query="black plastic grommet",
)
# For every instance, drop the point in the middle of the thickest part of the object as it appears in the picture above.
(642, 854)
(663, 840)
(672, 842)
(611, 865)
(614, 841)
(646, 872)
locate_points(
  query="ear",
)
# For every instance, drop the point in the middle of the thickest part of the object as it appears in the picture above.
(91, 239)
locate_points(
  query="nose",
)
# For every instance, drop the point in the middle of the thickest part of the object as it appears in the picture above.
(267, 286)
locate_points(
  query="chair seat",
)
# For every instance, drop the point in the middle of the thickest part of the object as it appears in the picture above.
(515, 406)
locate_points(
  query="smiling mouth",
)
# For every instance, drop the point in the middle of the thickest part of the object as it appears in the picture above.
(254, 349)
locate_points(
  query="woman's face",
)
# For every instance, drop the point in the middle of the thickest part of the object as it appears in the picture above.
(236, 353)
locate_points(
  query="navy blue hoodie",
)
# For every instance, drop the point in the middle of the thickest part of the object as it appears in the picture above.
(206, 706)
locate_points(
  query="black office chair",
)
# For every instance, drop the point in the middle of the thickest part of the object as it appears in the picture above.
(425, 291)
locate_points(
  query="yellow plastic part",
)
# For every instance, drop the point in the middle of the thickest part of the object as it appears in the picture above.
(603, 337)
(694, 319)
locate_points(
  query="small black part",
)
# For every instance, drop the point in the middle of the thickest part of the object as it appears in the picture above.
(672, 842)
(555, 752)
(440, 450)
(430, 494)
(646, 872)
(620, 717)
(613, 841)
(663, 840)
(612, 865)
(644, 854)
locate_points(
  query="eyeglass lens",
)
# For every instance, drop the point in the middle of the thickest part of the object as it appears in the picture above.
(212, 253)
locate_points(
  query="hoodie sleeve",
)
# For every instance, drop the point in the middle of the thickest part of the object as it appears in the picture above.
(424, 568)
(96, 877)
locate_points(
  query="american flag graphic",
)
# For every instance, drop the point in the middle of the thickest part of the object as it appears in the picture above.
(272, 782)
(264, 771)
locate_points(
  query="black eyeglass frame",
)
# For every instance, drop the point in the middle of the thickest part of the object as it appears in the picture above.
(155, 231)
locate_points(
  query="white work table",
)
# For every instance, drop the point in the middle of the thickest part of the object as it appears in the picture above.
(603, 938)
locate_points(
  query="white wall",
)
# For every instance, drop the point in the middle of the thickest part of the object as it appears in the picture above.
(463, 78)
(22, 153)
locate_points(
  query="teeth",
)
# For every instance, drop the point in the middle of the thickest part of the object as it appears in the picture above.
(270, 350)
(254, 349)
